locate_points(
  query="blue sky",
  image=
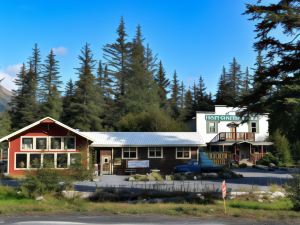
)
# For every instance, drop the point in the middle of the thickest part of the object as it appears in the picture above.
(193, 37)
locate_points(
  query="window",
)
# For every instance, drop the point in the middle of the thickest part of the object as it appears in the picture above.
(75, 159)
(129, 153)
(212, 127)
(183, 153)
(55, 143)
(69, 143)
(27, 143)
(21, 161)
(155, 152)
(48, 161)
(253, 127)
(35, 160)
(62, 161)
(41, 143)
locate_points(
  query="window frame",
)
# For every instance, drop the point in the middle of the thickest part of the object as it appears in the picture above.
(21, 143)
(41, 149)
(156, 149)
(208, 127)
(190, 153)
(256, 126)
(136, 150)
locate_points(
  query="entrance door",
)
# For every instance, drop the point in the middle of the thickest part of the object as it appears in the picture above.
(105, 164)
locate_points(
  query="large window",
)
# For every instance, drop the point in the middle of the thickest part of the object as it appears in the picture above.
(27, 143)
(21, 161)
(41, 143)
(183, 153)
(212, 127)
(155, 152)
(69, 143)
(62, 160)
(129, 153)
(35, 160)
(48, 161)
(55, 143)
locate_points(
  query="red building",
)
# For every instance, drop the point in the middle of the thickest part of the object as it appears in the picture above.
(50, 143)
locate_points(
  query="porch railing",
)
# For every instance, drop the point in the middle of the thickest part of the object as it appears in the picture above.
(234, 136)
(254, 157)
(220, 158)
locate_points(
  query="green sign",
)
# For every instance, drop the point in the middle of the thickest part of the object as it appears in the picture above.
(225, 118)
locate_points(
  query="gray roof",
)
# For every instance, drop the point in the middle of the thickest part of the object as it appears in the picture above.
(121, 139)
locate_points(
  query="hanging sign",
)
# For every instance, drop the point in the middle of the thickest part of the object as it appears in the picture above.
(225, 118)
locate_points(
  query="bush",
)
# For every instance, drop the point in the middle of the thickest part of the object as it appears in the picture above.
(282, 148)
(293, 191)
(243, 165)
(268, 159)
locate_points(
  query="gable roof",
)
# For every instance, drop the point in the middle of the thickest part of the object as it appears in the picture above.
(122, 139)
(46, 119)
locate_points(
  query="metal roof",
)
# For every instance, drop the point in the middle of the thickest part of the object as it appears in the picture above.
(122, 139)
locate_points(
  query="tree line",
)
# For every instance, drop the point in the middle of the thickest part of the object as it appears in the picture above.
(128, 90)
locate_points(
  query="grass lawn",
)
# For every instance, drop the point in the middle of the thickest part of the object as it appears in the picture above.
(51, 205)
(14, 204)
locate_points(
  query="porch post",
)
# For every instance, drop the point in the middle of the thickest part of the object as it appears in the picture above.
(223, 148)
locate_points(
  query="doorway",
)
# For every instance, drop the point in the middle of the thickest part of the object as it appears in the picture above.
(105, 164)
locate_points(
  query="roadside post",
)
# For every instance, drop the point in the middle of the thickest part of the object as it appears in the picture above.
(224, 192)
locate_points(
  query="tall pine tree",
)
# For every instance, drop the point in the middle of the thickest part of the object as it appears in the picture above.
(174, 100)
(163, 84)
(51, 104)
(87, 108)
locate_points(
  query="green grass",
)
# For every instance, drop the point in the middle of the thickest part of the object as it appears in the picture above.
(12, 203)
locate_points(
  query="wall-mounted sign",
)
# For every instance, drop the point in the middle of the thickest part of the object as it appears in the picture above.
(225, 118)
(138, 164)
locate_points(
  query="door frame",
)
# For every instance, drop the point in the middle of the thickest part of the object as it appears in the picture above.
(102, 158)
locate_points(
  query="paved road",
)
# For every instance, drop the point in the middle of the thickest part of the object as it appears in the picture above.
(253, 179)
(130, 219)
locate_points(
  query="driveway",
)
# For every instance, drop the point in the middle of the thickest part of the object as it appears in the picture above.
(253, 179)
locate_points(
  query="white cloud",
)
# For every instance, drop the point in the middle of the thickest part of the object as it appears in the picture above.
(8, 75)
(60, 50)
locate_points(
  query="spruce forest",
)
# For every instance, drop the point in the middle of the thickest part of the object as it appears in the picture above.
(129, 90)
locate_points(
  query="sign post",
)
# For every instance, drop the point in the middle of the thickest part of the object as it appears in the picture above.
(224, 192)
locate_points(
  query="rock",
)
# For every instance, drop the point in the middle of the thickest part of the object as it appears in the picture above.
(200, 196)
(131, 179)
(278, 194)
(39, 198)
(261, 167)
(260, 200)
(76, 194)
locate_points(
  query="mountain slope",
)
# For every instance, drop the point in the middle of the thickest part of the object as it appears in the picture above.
(5, 96)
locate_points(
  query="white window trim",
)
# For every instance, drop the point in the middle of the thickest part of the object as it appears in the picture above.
(190, 153)
(155, 157)
(42, 159)
(48, 148)
(136, 149)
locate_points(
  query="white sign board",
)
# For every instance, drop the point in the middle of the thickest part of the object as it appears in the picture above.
(138, 164)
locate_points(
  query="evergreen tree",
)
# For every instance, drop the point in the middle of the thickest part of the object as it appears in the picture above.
(223, 96)
(174, 100)
(50, 84)
(282, 148)
(141, 89)
(163, 84)
(151, 59)
(245, 83)
(68, 102)
(100, 77)
(18, 101)
(28, 113)
(277, 75)
(181, 97)
(188, 111)
(234, 78)
(35, 61)
(87, 107)
(5, 124)
(117, 56)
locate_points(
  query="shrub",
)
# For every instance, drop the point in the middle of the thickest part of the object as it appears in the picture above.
(243, 165)
(268, 159)
(282, 148)
(293, 191)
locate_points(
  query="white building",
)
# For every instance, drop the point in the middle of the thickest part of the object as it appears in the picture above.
(224, 131)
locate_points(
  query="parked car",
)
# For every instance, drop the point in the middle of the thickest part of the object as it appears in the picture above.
(203, 165)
